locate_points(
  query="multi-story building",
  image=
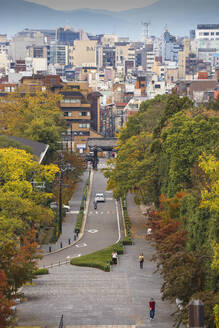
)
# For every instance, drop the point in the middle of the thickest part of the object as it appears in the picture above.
(81, 109)
(183, 54)
(58, 54)
(207, 32)
(19, 43)
(169, 47)
(109, 56)
(66, 35)
(83, 53)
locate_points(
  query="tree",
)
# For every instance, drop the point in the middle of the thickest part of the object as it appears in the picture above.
(37, 117)
(183, 141)
(20, 203)
(210, 192)
(5, 303)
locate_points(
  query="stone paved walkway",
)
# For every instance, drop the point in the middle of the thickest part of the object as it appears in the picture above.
(87, 296)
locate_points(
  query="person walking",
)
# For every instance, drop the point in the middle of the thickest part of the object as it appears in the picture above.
(114, 257)
(152, 308)
(141, 260)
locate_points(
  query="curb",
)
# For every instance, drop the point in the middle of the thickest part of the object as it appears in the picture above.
(84, 221)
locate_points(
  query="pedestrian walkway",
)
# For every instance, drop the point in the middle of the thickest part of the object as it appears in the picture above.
(67, 236)
(144, 282)
(89, 297)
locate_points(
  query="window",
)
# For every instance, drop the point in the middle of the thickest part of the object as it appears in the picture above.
(84, 113)
(206, 33)
(84, 125)
(157, 86)
(68, 114)
(70, 101)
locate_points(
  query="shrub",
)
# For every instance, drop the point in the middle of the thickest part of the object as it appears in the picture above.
(41, 271)
(98, 259)
(127, 241)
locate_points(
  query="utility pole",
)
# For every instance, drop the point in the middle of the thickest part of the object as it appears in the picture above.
(60, 193)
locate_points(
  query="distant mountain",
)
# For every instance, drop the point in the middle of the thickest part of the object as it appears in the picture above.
(179, 16)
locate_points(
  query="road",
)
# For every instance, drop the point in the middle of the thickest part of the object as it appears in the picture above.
(101, 229)
(87, 296)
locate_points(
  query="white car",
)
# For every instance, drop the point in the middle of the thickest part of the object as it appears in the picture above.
(54, 205)
(99, 197)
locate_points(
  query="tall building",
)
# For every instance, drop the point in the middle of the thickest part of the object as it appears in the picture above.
(183, 54)
(83, 53)
(170, 47)
(66, 35)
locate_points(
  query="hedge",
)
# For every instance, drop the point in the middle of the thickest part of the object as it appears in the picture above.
(41, 271)
(128, 239)
(98, 259)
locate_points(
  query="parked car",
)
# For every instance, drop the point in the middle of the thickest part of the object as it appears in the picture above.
(99, 197)
(54, 205)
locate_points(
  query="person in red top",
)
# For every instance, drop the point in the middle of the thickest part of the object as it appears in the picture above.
(152, 308)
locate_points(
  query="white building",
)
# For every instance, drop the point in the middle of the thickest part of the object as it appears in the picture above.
(156, 87)
(207, 32)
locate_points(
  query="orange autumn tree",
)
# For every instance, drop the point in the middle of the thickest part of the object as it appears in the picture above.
(5, 303)
(182, 270)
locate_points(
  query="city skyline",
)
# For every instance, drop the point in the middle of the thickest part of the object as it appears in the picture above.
(114, 5)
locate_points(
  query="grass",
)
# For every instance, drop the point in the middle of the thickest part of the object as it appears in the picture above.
(98, 259)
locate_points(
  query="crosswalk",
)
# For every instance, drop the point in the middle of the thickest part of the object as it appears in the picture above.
(101, 212)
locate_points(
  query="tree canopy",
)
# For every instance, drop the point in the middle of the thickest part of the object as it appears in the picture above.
(167, 156)
(37, 117)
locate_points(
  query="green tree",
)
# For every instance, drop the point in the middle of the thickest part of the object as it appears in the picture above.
(37, 117)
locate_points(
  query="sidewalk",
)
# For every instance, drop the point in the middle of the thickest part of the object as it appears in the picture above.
(69, 220)
(144, 283)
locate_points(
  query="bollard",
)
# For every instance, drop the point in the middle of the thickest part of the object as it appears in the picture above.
(69, 241)
(196, 314)
(50, 249)
(61, 245)
(59, 263)
(107, 266)
(75, 236)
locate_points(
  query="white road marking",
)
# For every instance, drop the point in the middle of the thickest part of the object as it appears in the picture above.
(73, 212)
(109, 198)
(81, 245)
(101, 212)
(92, 230)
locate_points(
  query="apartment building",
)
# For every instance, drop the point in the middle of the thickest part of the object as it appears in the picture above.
(83, 53)
(207, 32)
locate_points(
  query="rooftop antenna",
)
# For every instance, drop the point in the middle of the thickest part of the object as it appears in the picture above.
(145, 30)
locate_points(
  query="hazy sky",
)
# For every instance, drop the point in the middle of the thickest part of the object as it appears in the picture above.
(115, 5)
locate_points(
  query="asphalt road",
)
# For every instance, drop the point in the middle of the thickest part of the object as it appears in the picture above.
(101, 229)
